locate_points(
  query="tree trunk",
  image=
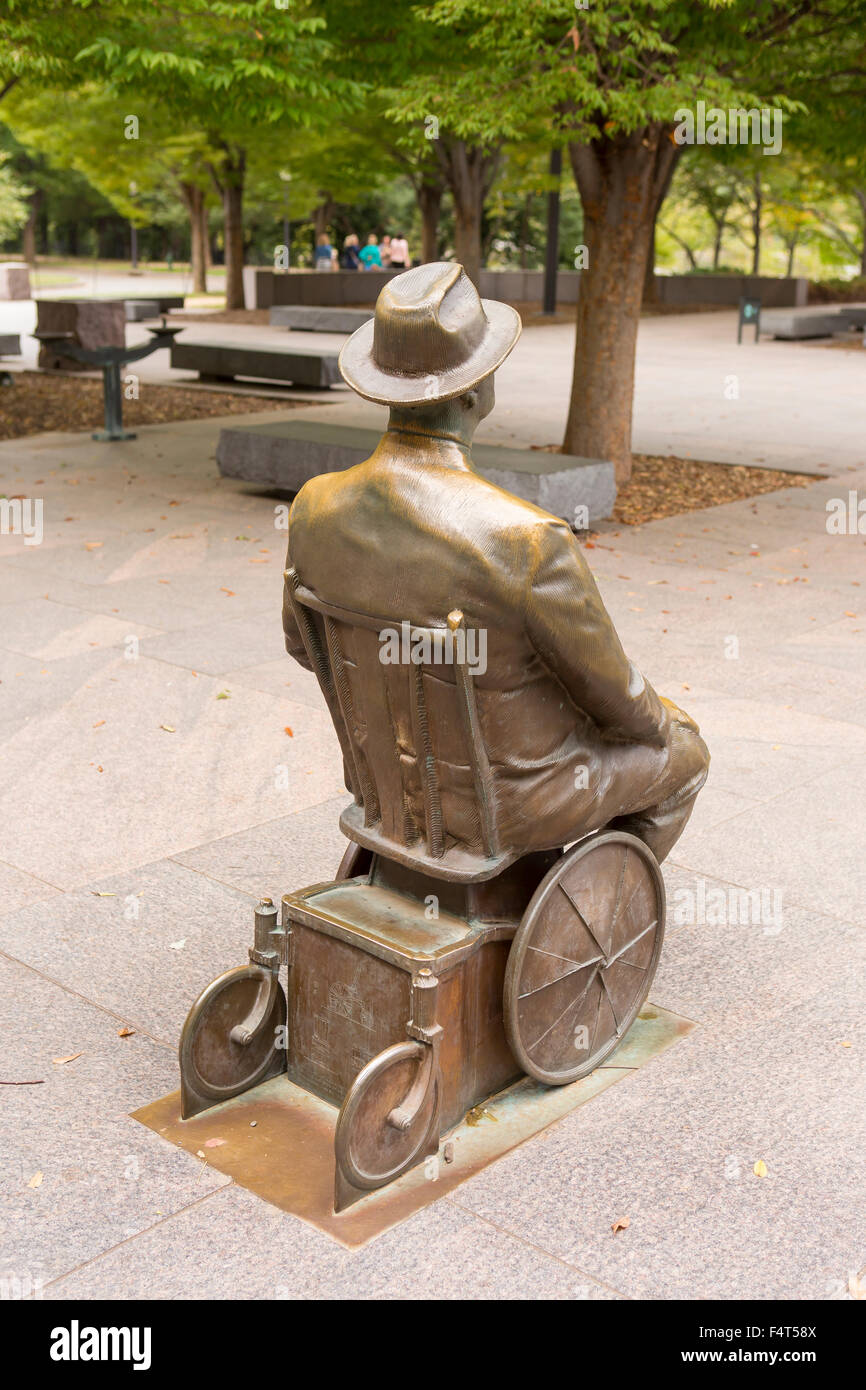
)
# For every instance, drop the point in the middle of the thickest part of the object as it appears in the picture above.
(322, 215)
(756, 227)
(792, 247)
(717, 244)
(649, 295)
(233, 222)
(469, 171)
(196, 207)
(860, 195)
(429, 196)
(621, 180)
(229, 180)
(650, 289)
(28, 235)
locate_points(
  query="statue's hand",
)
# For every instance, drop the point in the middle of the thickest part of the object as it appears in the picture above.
(679, 715)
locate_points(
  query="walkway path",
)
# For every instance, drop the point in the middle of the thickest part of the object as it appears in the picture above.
(142, 814)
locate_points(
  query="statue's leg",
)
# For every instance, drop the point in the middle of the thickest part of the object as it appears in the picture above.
(661, 824)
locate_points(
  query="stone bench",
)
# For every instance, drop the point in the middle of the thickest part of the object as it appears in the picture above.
(10, 345)
(223, 361)
(138, 309)
(285, 454)
(853, 315)
(818, 321)
(318, 319)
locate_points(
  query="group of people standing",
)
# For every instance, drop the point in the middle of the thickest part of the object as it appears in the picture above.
(392, 253)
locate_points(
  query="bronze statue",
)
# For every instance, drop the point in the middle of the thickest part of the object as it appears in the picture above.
(489, 719)
(576, 738)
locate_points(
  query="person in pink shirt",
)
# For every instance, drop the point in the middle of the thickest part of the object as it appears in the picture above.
(399, 252)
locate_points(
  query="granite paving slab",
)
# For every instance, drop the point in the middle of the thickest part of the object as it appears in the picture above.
(78, 1176)
(141, 943)
(147, 759)
(235, 1246)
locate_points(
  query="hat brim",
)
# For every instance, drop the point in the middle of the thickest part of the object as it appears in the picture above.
(361, 372)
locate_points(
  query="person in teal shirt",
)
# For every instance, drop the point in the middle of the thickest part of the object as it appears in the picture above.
(370, 255)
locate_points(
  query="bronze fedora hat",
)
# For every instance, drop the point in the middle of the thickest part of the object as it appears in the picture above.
(432, 338)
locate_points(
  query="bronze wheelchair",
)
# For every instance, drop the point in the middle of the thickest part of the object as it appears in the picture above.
(427, 975)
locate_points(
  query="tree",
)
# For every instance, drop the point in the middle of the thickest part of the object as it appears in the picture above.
(610, 81)
(236, 68)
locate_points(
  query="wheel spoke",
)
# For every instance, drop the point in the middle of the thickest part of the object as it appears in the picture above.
(569, 960)
(618, 902)
(574, 1002)
(627, 947)
(610, 1001)
(586, 925)
(564, 976)
(595, 1025)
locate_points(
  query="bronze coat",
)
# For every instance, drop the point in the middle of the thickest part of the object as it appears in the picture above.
(574, 734)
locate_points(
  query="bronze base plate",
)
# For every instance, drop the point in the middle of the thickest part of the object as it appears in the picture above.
(287, 1156)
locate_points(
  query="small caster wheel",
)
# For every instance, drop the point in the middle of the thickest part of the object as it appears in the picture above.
(388, 1121)
(230, 1041)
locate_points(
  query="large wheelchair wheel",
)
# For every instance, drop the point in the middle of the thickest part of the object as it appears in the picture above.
(584, 957)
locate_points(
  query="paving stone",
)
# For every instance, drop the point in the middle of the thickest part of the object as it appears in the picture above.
(104, 1178)
(235, 1246)
(49, 631)
(82, 798)
(18, 889)
(282, 677)
(216, 647)
(279, 855)
(811, 836)
(141, 943)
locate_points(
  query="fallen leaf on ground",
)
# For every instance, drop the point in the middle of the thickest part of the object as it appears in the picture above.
(622, 1223)
(169, 728)
(36, 1180)
(288, 731)
(99, 723)
(97, 894)
(224, 695)
(760, 1169)
(61, 1061)
(125, 1032)
(92, 545)
(177, 945)
(479, 1113)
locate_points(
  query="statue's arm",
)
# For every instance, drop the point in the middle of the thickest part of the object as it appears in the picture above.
(294, 641)
(573, 634)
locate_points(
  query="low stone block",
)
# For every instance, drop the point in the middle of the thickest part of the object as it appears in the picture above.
(315, 367)
(318, 319)
(14, 280)
(852, 315)
(285, 454)
(93, 323)
(818, 321)
(10, 345)
(138, 309)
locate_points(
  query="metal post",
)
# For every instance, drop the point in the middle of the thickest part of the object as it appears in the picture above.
(551, 254)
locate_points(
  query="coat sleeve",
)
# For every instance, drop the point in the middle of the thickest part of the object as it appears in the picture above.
(572, 632)
(294, 641)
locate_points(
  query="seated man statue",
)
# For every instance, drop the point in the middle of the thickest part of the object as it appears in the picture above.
(576, 738)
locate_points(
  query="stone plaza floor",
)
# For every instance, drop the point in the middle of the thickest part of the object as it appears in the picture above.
(164, 764)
